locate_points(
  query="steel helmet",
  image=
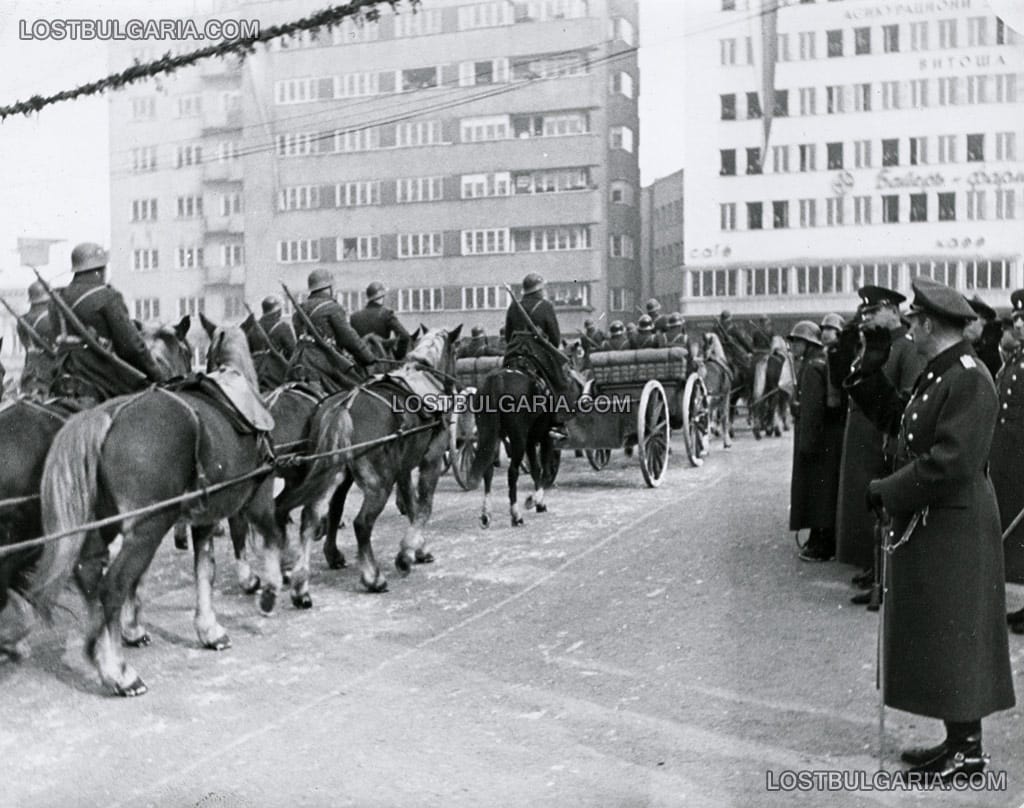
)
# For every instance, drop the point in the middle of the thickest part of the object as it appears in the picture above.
(675, 320)
(807, 331)
(652, 306)
(478, 331)
(271, 303)
(631, 326)
(320, 279)
(725, 315)
(87, 256)
(616, 328)
(833, 321)
(588, 323)
(375, 291)
(36, 293)
(532, 282)
(645, 323)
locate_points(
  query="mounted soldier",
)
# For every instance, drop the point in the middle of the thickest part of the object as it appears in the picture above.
(319, 357)
(617, 339)
(377, 319)
(100, 353)
(271, 343)
(763, 334)
(40, 365)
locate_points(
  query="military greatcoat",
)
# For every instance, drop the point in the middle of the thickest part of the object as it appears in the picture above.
(946, 653)
(1007, 460)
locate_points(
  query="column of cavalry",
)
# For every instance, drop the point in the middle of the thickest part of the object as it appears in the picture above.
(116, 436)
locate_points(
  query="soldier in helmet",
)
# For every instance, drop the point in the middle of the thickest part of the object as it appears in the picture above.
(617, 339)
(675, 334)
(269, 369)
(658, 320)
(735, 336)
(83, 372)
(646, 336)
(37, 376)
(476, 346)
(593, 337)
(311, 363)
(376, 318)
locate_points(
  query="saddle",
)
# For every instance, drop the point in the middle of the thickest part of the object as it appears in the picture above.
(416, 383)
(230, 393)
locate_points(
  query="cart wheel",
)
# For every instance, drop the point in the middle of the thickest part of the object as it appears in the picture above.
(462, 445)
(696, 412)
(598, 458)
(653, 432)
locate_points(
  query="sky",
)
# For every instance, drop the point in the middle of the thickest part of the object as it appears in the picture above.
(56, 164)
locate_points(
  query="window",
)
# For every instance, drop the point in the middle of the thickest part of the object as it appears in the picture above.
(1006, 88)
(919, 151)
(891, 38)
(782, 47)
(753, 106)
(419, 78)
(808, 105)
(359, 248)
(808, 213)
(144, 158)
(485, 242)
(550, 182)
(418, 133)
(890, 95)
(620, 246)
(807, 157)
(919, 207)
(350, 299)
(780, 214)
(1006, 146)
(713, 283)
(476, 186)
(189, 257)
(549, 66)
(144, 260)
(419, 189)
(975, 205)
(298, 197)
(816, 280)
(484, 15)
(890, 152)
(143, 210)
(834, 211)
(754, 165)
(780, 159)
(919, 93)
(835, 43)
(942, 271)
(947, 91)
(421, 23)
(147, 308)
(622, 192)
(233, 255)
(875, 274)
(1005, 203)
(947, 207)
(806, 40)
(474, 130)
(890, 209)
(835, 155)
(189, 206)
(781, 105)
(295, 91)
(727, 215)
(621, 137)
(861, 41)
(919, 36)
(862, 210)
(622, 29)
(428, 299)
(489, 71)
(834, 99)
(295, 145)
(728, 104)
(727, 51)
(357, 140)
(977, 89)
(754, 210)
(622, 83)
(975, 148)
(987, 274)
(143, 108)
(420, 245)
(546, 239)
(484, 297)
(302, 250)
(357, 194)
(189, 156)
(576, 295)
(228, 150)
(356, 85)
(620, 299)
(862, 154)
(768, 281)
(947, 148)
(234, 307)
(947, 33)
(555, 125)
(862, 97)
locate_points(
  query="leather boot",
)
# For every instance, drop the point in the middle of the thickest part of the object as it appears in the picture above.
(919, 755)
(962, 754)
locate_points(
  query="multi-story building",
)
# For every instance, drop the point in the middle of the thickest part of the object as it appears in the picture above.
(445, 152)
(896, 149)
(662, 240)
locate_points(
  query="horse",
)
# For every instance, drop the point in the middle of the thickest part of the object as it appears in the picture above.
(137, 452)
(27, 429)
(717, 377)
(378, 411)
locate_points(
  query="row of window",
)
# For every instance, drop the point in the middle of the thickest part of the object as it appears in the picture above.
(980, 31)
(1002, 147)
(944, 206)
(943, 91)
(817, 279)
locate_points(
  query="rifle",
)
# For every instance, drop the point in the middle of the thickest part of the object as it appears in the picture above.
(85, 333)
(318, 338)
(37, 338)
(263, 333)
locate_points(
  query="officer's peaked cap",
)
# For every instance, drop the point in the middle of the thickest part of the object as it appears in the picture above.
(981, 308)
(871, 297)
(932, 297)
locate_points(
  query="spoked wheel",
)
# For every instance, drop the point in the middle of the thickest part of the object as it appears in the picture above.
(653, 433)
(696, 419)
(462, 446)
(598, 458)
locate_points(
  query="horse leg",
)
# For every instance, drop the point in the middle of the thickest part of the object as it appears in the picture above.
(375, 497)
(413, 537)
(515, 458)
(538, 471)
(263, 517)
(16, 621)
(336, 558)
(211, 634)
(248, 581)
(485, 510)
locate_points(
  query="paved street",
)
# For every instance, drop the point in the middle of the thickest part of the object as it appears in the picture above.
(631, 647)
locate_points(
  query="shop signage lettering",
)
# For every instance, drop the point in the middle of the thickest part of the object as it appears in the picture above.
(719, 251)
(899, 9)
(886, 179)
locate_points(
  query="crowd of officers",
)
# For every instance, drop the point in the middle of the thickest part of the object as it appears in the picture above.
(909, 456)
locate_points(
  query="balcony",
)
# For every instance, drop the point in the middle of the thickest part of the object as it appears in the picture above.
(233, 224)
(221, 120)
(224, 276)
(222, 171)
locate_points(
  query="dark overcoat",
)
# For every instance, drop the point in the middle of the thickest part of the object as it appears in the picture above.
(864, 459)
(378, 319)
(946, 653)
(817, 442)
(1007, 460)
(540, 312)
(310, 362)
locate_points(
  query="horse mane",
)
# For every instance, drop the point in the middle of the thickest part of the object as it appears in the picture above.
(429, 348)
(229, 348)
(715, 350)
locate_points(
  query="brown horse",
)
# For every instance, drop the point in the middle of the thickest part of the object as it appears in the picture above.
(377, 411)
(136, 452)
(27, 429)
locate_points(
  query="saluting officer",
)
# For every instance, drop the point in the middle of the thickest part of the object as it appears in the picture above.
(617, 339)
(945, 648)
(376, 318)
(269, 370)
(312, 363)
(83, 372)
(37, 375)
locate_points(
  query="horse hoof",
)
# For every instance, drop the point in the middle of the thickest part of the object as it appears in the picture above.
(139, 642)
(518, 521)
(378, 586)
(136, 688)
(423, 557)
(542, 509)
(222, 643)
(402, 564)
(181, 542)
(335, 562)
(286, 577)
(303, 601)
(529, 503)
(253, 587)
(268, 600)
(485, 520)
(757, 436)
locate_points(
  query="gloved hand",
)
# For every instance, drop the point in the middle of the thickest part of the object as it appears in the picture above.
(873, 498)
(877, 344)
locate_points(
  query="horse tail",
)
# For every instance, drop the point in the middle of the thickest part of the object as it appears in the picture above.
(488, 429)
(333, 435)
(68, 492)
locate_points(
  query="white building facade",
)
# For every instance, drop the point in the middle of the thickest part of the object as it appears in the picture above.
(896, 149)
